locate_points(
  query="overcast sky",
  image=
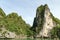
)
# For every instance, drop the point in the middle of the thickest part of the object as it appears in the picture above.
(27, 8)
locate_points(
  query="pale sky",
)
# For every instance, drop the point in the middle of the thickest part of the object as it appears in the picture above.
(27, 8)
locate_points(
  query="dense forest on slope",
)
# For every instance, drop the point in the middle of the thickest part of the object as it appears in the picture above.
(14, 23)
(55, 32)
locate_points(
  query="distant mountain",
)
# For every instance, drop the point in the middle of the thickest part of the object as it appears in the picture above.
(45, 24)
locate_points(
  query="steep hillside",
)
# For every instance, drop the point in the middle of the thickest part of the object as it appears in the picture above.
(13, 24)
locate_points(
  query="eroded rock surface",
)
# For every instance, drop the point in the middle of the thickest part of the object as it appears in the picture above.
(43, 22)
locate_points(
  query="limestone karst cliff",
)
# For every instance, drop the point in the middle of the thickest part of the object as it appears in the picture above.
(44, 22)
(44, 25)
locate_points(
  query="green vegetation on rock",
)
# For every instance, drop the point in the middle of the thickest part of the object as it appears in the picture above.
(14, 23)
(39, 21)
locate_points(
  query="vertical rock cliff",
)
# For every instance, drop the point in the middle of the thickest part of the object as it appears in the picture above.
(43, 22)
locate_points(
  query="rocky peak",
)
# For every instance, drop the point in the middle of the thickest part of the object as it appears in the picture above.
(43, 21)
